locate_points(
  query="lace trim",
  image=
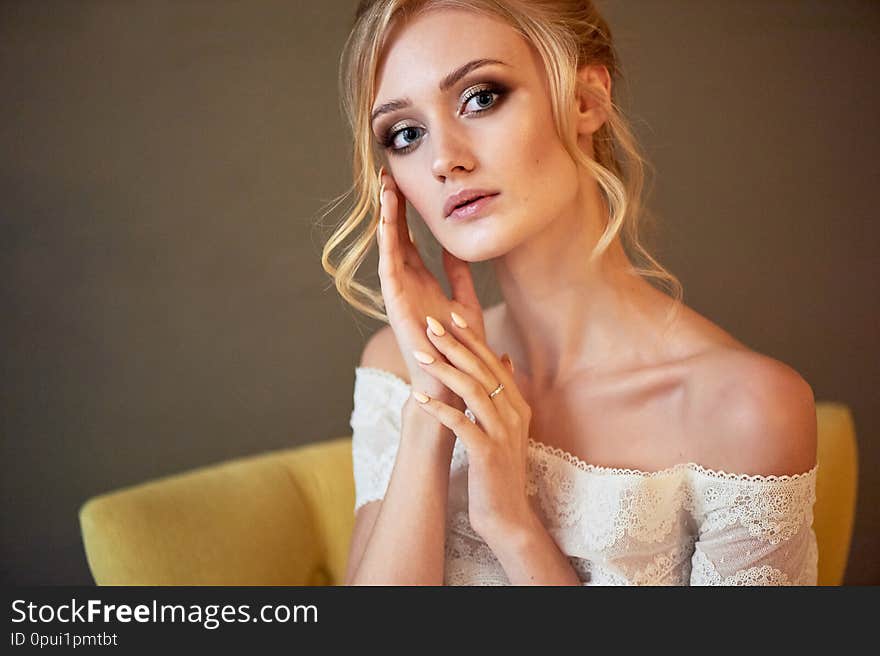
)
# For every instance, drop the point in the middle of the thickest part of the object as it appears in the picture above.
(470, 561)
(693, 466)
(666, 567)
(596, 513)
(375, 431)
(773, 514)
(572, 459)
(372, 471)
(595, 573)
(705, 573)
(394, 379)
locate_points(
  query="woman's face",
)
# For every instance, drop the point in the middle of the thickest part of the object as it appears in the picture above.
(491, 129)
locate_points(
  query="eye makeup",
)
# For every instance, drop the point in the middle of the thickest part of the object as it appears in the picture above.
(481, 90)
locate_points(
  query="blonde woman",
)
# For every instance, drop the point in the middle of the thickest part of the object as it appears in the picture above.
(591, 428)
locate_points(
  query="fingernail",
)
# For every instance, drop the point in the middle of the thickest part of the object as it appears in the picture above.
(411, 235)
(421, 398)
(507, 359)
(458, 321)
(423, 357)
(435, 326)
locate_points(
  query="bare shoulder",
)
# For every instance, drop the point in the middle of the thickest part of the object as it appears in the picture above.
(383, 352)
(752, 413)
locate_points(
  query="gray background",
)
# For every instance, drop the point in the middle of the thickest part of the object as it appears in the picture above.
(162, 169)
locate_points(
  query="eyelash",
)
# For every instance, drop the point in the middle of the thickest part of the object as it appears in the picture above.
(491, 87)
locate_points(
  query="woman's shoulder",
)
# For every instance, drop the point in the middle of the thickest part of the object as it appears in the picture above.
(752, 413)
(383, 352)
(744, 411)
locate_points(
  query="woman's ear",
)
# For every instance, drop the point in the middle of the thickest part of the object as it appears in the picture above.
(593, 94)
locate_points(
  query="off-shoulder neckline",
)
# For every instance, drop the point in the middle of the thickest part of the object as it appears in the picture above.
(620, 471)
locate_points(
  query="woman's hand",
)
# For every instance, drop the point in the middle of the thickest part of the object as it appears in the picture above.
(497, 443)
(411, 292)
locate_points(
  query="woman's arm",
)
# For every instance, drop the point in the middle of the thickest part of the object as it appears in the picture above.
(407, 543)
(530, 556)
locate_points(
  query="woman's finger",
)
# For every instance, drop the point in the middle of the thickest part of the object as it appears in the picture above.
(474, 439)
(468, 363)
(469, 389)
(397, 210)
(390, 263)
(466, 336)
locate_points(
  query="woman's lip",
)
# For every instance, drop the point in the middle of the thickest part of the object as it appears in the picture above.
(472, 209)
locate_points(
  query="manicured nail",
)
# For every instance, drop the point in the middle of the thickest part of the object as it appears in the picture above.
(411, 238)
(458, 321)
(435, 326)
(423, 357)
(421, 398)
(506, 358)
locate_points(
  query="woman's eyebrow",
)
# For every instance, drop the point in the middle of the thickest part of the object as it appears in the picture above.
(445, 84)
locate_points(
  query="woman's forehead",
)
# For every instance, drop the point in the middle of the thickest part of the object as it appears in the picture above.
(441, 39)
(425, 49)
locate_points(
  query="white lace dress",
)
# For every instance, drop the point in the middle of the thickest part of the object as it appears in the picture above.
(685, 525)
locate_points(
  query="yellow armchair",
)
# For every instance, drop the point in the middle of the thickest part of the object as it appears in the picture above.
(285, 517)
(279, 518)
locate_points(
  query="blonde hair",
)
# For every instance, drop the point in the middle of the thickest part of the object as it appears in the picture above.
(568, 34)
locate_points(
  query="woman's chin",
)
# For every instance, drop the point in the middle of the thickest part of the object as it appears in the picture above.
(473, 252)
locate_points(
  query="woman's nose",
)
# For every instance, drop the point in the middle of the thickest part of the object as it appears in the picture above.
(451, 149)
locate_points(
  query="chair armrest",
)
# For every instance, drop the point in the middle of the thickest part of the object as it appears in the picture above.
(836, 489)
(242, 522)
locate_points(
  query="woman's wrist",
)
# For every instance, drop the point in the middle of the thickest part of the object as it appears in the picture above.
(426, 432)
(513, 533)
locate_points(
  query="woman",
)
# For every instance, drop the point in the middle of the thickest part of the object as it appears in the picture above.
(512, 103)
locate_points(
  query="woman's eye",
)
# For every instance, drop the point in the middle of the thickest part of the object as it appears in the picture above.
(407, 133)
(480, 100)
